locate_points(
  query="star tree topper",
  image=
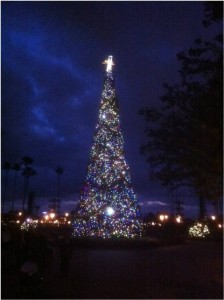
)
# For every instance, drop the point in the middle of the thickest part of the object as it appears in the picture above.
(109, 62)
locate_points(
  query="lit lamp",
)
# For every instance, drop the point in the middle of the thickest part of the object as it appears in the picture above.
(52, 215)
(178, 219)
(161, 217)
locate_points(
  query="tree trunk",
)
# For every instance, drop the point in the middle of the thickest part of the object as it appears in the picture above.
(26, 185)
(14, 191)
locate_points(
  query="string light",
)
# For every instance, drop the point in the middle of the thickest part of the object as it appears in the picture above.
(199, 230)
(108, 205)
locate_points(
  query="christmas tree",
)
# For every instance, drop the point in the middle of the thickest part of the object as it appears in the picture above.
(108, 205)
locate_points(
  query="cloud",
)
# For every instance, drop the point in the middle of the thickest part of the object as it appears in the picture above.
(153, 203)
(52, 80)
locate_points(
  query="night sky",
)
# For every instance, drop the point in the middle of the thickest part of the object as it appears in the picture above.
(52, 79)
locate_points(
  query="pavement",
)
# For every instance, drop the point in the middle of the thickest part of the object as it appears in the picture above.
(190, 270)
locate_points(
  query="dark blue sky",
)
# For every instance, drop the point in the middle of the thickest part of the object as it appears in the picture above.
(52, 79)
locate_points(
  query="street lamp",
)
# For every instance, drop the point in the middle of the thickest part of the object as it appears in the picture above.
(52, 215)
(163, 217)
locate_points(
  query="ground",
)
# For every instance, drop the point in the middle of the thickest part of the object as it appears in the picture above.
(191, 270)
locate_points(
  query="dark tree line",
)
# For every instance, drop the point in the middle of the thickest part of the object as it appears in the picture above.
(27, 171)
(26, 167)
(184, 136)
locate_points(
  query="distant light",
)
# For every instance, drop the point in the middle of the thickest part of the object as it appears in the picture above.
(46, 217)
(163, 217)
(110, 211)
(220, 225)
(28, 220)
(213, 218)
(69, 222)
(66, 214)
(52, 215)
(44, 212)
(178, 219)
(20, 213)
(18, 221)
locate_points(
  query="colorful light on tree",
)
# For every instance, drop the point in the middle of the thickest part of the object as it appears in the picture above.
(108, 206)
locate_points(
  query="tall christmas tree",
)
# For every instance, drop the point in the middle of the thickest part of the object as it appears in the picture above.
(108, 206)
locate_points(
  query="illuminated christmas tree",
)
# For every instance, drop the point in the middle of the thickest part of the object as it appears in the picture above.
(108, 206)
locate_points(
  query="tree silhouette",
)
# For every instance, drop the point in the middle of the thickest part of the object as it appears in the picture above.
(16, 167)
(184, 144)
(6, 167)
(27, 172)
(59, 171)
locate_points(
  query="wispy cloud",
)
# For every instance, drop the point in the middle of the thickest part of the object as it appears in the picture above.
(153, 203)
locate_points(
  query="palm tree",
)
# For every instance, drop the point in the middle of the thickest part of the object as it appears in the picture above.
(28, 171)
(6, 167)
(59, 171)
(16, 167)
(27, 160)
